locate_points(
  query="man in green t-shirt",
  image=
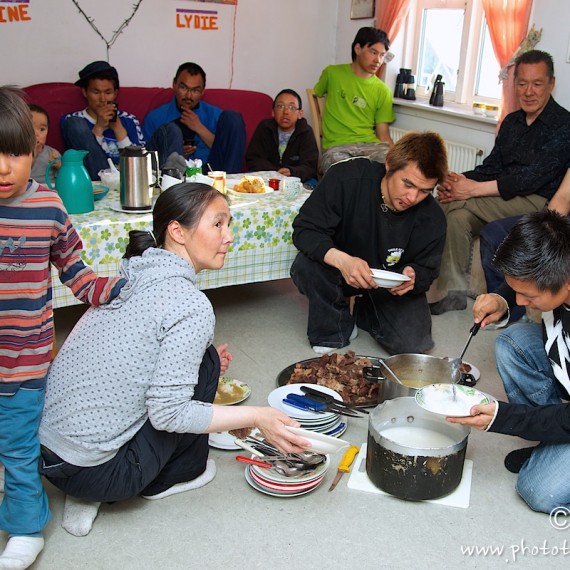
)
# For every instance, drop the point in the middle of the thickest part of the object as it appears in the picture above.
(358, 108)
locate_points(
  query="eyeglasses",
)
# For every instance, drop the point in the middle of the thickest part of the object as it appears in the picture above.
(282, 107)
(185, 89)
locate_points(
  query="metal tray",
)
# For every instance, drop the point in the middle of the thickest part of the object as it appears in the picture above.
(285, 374)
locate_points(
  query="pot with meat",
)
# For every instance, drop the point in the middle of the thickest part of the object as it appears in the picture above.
(414, 454)
(414, 371)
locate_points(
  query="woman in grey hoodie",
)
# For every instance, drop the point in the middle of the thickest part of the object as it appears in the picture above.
(129, 397)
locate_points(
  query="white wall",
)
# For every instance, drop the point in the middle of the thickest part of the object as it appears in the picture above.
(553, 17)
(277, 44)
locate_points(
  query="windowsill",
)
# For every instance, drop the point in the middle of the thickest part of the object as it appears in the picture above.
(449, 109)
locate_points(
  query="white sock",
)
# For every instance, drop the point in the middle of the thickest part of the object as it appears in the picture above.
(354, 333)
(78, 515)
(327, 349)
(323, 349)
(200, 481)
(20, 552)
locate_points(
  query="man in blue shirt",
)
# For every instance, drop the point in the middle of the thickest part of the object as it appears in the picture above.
(195, 129)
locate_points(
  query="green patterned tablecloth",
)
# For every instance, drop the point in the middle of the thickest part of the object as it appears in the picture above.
(262, 248)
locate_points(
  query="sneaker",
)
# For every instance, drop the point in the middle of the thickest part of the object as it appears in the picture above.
(515, 460)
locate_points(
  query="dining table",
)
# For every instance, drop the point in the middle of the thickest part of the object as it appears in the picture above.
(261, 226)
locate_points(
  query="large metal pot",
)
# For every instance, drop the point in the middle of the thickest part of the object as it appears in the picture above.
(414, 454)
(414, 371)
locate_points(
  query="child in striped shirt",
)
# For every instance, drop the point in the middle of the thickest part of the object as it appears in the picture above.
(35, 232)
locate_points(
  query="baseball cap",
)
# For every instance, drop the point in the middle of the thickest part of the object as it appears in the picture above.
(95, 68)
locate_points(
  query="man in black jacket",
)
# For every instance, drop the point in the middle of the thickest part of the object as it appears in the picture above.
(285, 143)
(533, 360)
(363, 215)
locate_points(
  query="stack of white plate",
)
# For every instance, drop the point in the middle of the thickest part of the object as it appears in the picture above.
(329, 423)
(270, 482)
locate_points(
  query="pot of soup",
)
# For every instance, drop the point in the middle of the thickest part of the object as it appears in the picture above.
(414, 454)
(410, 373)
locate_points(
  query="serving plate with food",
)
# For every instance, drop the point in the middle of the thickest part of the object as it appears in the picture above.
(248, 187)
(342, 373)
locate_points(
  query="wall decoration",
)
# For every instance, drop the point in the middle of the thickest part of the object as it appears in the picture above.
(197, 19)
(360, 9)
(16, 11)
(117, 32)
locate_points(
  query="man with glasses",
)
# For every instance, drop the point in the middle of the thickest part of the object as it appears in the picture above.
(365, 215)
(358, 108)
(520, 175)
(193, 128)
(286, 143)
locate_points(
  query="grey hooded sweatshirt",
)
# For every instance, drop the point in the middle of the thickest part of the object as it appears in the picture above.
(136, 358)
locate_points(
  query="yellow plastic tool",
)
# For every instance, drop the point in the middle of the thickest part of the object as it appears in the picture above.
(344, 465)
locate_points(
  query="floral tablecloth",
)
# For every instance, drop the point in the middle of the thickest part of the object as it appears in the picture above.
(262, 248)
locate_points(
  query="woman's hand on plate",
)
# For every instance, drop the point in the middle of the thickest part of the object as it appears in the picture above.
(272, 422)
(225, 358)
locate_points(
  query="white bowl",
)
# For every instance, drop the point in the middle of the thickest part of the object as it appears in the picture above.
(320, 443)
(388, 279)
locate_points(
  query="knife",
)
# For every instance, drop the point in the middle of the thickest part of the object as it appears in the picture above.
(344, 465)
(306, 403)
(328, 399)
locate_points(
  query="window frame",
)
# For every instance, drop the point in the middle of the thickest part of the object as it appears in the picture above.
(471, 45)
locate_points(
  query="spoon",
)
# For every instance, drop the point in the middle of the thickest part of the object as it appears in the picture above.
(112, 165)
(307, 458)
(456, 362)
(283, 468)
(391, 372)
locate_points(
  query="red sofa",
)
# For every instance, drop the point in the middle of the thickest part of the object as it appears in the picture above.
(61, 98)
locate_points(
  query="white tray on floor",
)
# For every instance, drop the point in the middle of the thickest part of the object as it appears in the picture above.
(359, 481)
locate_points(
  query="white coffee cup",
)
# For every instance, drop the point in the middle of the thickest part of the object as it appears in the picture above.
(167, 181)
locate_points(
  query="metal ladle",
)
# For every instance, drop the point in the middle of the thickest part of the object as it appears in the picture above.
(456, 362)
(391, 372)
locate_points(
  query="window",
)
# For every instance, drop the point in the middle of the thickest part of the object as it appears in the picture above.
(451, 38)
(487, 80)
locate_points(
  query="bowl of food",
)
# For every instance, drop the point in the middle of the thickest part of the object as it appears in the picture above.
(99, 191)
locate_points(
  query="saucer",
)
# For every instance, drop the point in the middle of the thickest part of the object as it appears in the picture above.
(116, 207)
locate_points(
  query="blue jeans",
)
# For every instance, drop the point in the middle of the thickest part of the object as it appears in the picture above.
(528, 379)
(227, 151)
(491, 237)
(24, 509)
(77, 134)
(398, 324)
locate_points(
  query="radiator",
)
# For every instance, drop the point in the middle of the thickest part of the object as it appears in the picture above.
(461, 157)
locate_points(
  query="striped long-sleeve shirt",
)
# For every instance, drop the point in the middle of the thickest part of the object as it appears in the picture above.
(35, 232)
